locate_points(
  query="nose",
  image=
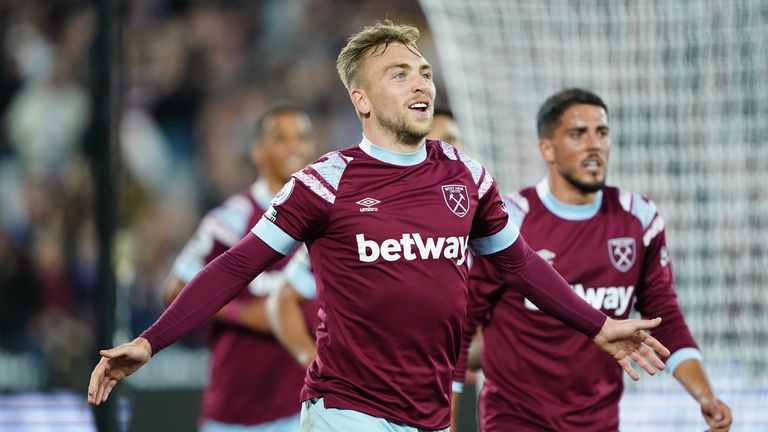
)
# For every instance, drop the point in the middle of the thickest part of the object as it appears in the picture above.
(421, 84)
(594, 141)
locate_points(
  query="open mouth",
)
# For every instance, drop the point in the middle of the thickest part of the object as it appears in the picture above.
(421, 107)
(592, 164)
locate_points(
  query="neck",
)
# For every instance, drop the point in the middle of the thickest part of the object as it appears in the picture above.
(388, 140)
(567, 193)
(273, 182)
(391, 156)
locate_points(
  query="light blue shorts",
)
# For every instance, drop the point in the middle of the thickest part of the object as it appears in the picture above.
(315, 417)
(285, 424)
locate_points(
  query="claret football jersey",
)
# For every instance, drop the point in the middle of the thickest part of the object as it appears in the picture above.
(388, 236)
(541, 374)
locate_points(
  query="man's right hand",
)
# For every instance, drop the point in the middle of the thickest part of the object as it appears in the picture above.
(116, 364)
(625, 339)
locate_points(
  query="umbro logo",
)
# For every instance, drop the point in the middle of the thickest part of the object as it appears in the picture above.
(367, 205)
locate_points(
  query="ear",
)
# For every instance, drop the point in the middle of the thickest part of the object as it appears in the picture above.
(547, 149)
(360, 101)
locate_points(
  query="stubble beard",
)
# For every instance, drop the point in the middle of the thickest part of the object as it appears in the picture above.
(585, 187)
(405, 132)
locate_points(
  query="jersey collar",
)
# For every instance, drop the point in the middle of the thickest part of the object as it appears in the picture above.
(567, 211)
(261, 193)
(394, 158)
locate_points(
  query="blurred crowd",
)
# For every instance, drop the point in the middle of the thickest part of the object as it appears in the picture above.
(192, 77)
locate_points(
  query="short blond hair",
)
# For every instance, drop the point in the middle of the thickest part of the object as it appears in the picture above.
(370, 38)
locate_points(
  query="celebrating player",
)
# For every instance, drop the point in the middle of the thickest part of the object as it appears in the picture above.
(609, 244)
(388, 225)
(284, 305)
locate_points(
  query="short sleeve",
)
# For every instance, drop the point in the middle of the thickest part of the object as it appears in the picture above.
(221, 228)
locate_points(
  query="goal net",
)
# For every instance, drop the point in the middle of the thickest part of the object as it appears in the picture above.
(686, 83)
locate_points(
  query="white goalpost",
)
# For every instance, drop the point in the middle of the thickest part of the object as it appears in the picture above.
(686, 83)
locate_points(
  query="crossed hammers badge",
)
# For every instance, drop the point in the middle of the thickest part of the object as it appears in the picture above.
(457, 199)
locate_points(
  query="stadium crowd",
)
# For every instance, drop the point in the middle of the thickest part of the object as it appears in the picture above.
(193, 77)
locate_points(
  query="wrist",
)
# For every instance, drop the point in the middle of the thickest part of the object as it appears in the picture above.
(601, 336)
(144, 344)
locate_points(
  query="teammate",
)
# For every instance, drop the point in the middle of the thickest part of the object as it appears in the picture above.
(252, 385)
(609, 244)
(445, 129)
(388, 225)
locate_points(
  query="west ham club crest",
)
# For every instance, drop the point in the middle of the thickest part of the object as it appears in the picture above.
(457, 199)
(622, 252)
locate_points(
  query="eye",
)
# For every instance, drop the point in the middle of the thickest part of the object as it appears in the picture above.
(400, 75)
(427, 75)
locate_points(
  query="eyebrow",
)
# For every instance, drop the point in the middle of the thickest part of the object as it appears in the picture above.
(406, 66)
(586, 128)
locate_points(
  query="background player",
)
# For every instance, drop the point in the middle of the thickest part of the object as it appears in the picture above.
(388, 224)
(445, 129)
(609, 244)
(252, 384)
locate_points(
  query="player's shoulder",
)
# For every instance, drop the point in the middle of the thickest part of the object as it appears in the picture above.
(229, 221)
(631, 203)
(449, 154)
(520, 199)
(323, 176)
(518, 205)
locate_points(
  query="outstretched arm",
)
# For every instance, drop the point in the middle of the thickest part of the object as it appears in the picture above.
(249, 313)
(521, 268)
(717, 414)
(218, 283)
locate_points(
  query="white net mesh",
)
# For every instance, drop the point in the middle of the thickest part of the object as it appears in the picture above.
(687, 88)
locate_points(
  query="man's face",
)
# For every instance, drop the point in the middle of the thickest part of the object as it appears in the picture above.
(286, 145)
(579, 147)
(398, 92)
(446, 130)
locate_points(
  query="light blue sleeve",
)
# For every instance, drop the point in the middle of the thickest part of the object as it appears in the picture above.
(503, 239)
(679, 357)
(276, 238)
(301, 278)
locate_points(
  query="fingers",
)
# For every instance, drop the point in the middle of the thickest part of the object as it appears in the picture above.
(646, 324)
(655, 345)
(103, 389)
(108, 389)
(118, 351)
(647, 352)
(718, 415)
(643, 363)
(629, 369)
(95, 382)
(103, 378)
